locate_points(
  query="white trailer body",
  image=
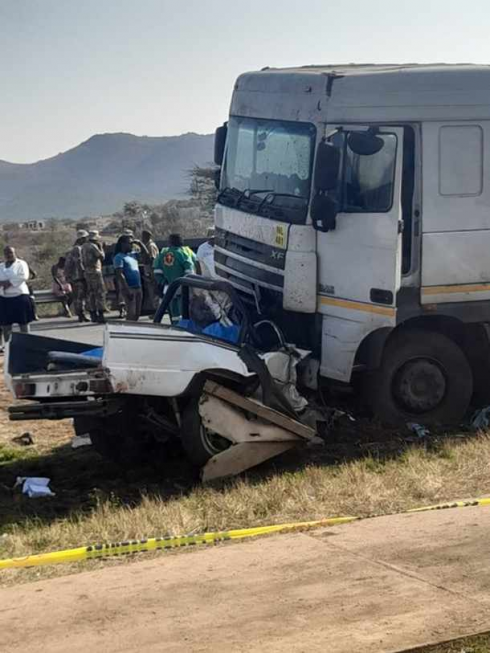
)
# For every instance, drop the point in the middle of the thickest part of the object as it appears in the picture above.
(412, 233)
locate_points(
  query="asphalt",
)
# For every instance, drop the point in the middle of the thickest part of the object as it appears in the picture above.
(377, 586)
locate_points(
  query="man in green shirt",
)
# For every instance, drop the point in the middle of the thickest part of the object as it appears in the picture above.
(173, 262)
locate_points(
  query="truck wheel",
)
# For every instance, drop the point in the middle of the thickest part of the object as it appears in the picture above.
(200, 444)
(424, 377)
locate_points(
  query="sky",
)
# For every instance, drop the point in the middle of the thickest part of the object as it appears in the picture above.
(73, 68)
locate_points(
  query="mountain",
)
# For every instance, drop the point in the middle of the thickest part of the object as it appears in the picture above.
(99, 175)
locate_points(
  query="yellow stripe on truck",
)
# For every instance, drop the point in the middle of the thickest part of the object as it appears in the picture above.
(446, 290)
(357, 306)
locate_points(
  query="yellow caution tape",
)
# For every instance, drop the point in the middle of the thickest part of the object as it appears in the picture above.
(106, 550)
(158, 543)
(454, 504)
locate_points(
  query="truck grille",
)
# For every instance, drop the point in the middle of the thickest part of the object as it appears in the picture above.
(247, 263)
(273, 257)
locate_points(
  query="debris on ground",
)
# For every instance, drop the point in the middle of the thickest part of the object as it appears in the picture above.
(335, 414)
(81, 441)
(481, 419)
(418, 429)
(34, 486)
(24, 440)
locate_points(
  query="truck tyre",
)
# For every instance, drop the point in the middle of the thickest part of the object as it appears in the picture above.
(424, 377)
(199, 443)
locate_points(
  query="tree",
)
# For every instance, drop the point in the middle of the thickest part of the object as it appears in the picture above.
(132, 209)
(202, 187)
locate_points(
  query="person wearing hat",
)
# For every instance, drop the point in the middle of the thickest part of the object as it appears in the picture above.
(92, 258)
(205, 255)
(75, 275)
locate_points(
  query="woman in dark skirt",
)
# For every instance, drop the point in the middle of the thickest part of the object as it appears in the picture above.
(15, 303)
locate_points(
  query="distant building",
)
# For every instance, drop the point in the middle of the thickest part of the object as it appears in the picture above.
(33, 225)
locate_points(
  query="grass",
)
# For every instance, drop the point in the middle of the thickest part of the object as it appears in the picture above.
(476, 644)
(7, 454)
(94, 503)
(363, 471)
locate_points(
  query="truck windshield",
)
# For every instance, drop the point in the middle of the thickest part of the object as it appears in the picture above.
(267, 168)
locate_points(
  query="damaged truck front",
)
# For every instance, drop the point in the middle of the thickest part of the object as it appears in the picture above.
(222, 386)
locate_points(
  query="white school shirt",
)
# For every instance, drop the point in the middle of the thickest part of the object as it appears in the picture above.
(205, 256)
(17, 274)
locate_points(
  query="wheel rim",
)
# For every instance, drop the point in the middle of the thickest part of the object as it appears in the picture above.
(419, 385)
(212, 442)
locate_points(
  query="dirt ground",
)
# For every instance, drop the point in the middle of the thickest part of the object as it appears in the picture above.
(378, 586)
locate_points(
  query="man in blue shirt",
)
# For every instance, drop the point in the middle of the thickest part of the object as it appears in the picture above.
(126, 267)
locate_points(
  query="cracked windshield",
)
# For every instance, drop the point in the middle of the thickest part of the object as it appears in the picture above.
(268, 168)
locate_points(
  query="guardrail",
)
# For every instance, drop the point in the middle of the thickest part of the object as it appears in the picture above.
(48, 296)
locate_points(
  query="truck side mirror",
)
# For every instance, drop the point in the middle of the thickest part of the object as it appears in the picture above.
(364, 143)
(327, 166)
(219, 143)
(323, 212)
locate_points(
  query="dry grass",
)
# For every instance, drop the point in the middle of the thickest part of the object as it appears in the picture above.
(476, 644)
(96, 502)
(457, 469)
(46, 435)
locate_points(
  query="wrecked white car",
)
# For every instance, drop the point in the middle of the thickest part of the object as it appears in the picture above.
(224, 386)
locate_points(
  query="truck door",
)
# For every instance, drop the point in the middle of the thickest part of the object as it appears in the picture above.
(360, 260)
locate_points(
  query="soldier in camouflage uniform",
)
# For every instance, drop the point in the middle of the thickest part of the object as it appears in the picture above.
(75, 274)
(92, 258)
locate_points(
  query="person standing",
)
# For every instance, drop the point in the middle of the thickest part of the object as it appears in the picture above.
(75, 275)
(32, 276)
(205, 256)
(150, 244)
(15, 302)
(172, 263)
(126, 267)
(149, 277)
(61, 287)
(92, 258)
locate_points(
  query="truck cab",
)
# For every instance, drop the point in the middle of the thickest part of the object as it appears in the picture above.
(352, 201)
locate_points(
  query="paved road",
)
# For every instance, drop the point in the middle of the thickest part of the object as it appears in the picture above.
(377, 586)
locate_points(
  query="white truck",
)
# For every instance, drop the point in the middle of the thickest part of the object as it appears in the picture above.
(221, 386)
(354, 201)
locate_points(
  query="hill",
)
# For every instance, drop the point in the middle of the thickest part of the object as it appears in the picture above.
(99, 175)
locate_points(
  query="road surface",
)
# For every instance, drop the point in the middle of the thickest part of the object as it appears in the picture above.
(376, 586)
